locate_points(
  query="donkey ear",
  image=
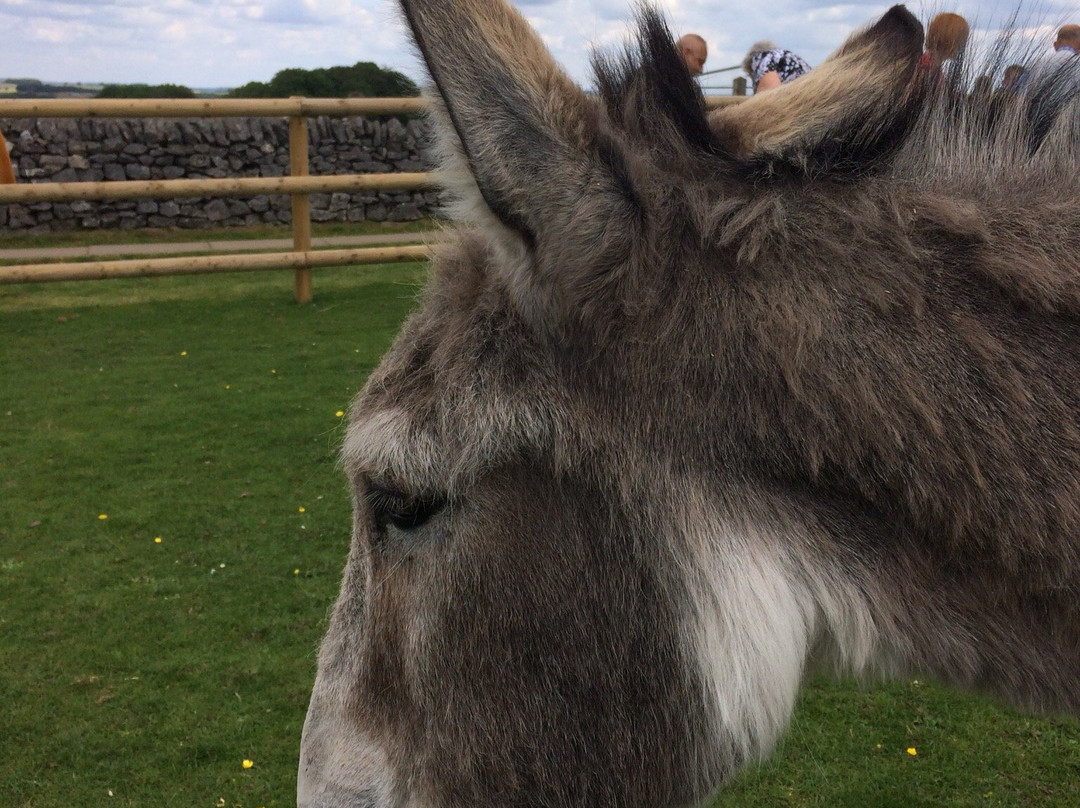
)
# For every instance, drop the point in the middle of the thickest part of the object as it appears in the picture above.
(529, 136)
(841, 114)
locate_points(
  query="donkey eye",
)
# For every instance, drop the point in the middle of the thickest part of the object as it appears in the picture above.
(403, 511)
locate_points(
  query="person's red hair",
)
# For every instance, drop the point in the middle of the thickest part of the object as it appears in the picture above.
(946, 36)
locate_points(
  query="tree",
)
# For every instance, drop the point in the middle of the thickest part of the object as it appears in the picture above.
(363, 79)
(145, 91)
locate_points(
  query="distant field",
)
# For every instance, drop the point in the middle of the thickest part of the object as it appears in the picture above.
(204, 412)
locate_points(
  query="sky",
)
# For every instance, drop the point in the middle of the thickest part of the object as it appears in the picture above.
(226, 43)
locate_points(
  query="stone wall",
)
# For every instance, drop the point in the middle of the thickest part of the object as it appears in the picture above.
(95, 149)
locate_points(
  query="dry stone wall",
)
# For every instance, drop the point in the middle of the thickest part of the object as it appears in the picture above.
(95, 149)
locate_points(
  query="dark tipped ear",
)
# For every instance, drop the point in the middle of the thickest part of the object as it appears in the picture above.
(527, 135)
(650, 93)
(842, 114)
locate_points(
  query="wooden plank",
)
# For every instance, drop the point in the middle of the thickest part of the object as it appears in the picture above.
(301, 205)
(226, 107)
(205, 107)
(149, 267)
(231, 186)
(7, 174)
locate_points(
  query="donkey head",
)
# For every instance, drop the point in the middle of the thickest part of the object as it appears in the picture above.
(608, 501)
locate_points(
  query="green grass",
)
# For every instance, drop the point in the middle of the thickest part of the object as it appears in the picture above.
(202, 410)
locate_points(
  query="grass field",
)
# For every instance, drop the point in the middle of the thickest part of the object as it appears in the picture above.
(204, 412)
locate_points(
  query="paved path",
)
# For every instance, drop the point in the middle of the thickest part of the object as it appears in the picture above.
(239, 245)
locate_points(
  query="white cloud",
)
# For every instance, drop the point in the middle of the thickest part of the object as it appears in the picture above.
(213, 43)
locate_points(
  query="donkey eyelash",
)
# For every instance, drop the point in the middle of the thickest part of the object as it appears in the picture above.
(402, 510)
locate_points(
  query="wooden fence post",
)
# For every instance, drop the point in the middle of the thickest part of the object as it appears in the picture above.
(301, 204)
(7, 175)
(738, 86)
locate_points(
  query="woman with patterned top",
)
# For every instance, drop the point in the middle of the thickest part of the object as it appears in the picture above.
(769, 66)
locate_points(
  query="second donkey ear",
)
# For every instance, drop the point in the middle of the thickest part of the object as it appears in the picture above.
(840, 114)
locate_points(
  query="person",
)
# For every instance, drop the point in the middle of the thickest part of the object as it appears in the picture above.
(1068, 40)
(694, 52)
(946, 36)
(1056, 79)
(769, 66)
(1013, 79)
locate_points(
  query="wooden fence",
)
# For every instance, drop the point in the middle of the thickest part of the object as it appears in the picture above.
(298, 185)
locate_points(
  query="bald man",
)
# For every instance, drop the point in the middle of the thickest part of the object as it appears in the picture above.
(1068, 39)
(694, 52)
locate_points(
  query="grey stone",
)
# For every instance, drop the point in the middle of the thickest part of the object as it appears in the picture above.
(405, 212)
(238, 129)
(51, 163)
(19, 216)
(120, 149)
(217, 210)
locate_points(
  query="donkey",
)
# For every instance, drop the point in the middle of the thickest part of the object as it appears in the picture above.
(694, 404)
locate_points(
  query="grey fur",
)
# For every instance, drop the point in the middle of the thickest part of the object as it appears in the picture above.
(694, 404)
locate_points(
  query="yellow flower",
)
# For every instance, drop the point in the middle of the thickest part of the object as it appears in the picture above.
(273, 370)
(912, 751)
(183, 353)
(247, 764)
(296, 571)
(302, 509)
(339, 413)
(226, 387)
(157, 539)
(103, 516)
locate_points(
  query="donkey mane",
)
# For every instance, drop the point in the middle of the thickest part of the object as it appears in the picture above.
(934, 183)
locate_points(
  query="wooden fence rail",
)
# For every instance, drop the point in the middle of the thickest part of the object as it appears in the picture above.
(298, 185)
(238, 186)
